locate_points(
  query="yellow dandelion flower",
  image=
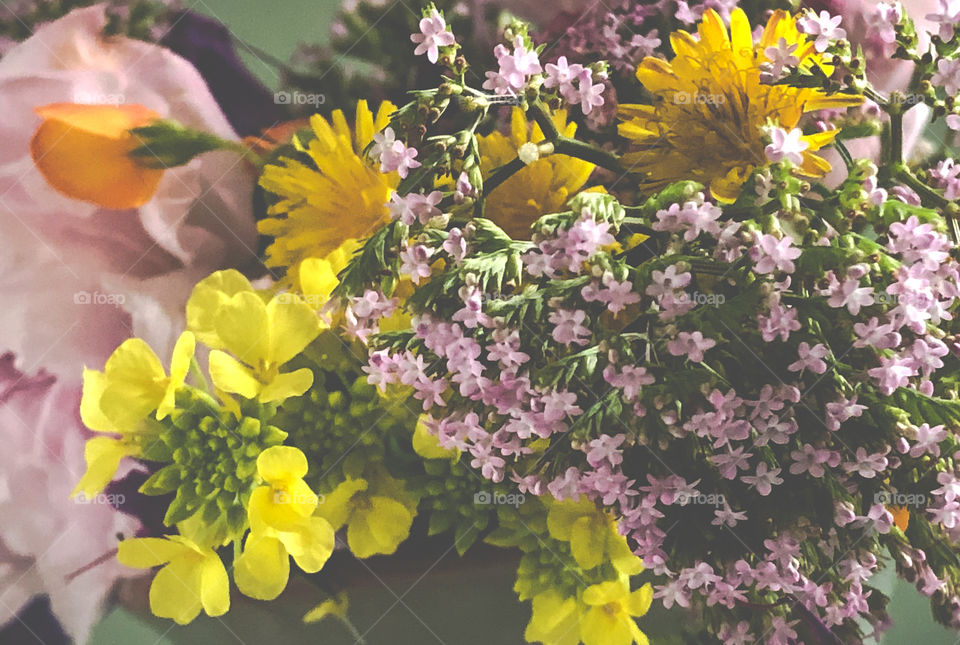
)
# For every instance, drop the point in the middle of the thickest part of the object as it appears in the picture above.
(542, 187)
(341, 196)
(705, 122)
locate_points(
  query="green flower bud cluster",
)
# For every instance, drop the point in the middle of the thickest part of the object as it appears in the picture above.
(456, 499)
(214, 460)
(341, 415)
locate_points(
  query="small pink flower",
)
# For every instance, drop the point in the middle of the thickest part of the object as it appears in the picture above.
(810, 358)
(786, 145)
(772, 254)
(690, 344)
(433, 35)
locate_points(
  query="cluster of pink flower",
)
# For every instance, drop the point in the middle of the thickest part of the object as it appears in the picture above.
(471, 366)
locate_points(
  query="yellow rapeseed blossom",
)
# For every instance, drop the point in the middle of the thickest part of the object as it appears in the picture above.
(609, 619)
(542, 187)
(193, 576)
(341, 196)
(710, 105)
(282, 525)
(227, 314)
(592, 535)
(376, 509)
(132, 386)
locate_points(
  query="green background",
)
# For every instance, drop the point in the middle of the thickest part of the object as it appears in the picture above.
(414, 598)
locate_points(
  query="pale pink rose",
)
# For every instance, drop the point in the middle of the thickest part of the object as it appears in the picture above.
(56, 248)
(44, 535)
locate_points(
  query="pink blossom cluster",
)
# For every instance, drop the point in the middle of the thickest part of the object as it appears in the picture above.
(756, 404)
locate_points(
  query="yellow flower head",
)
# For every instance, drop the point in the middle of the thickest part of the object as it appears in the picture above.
(227, 314)
(377, 510)
(342, 195)
(609, 621)
(592, 535)
(192, 579)
(542, 187)
(710, 105)
(132, 386)
(282, 525)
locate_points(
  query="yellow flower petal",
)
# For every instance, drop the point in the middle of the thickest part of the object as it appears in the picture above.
(427, 445)
(282, 464)
(587, 542)
(555, 620)
(311, 545)
(231, 376)
(135, 383)
(337, 505)
(287, 384)
(600, 627)
(263, 569)
(175, 591)
(83, 151)
(94, 383)
(244, 327)
(103, 456)
(179, 366)
(146, 553)
(640, 600)
(205, 300)
(214, 586)
(293, 324)
(380, 528)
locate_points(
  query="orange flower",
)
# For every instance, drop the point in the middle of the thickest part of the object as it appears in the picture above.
(84, 152)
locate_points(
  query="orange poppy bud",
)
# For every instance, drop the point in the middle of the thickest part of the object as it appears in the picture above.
(83, 151)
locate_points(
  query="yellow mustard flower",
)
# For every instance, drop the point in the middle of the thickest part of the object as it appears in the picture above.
(609, 621)
(193, 577)
(115, 401)
(710, 105)
(83, 151)
(341, 196)
(592, 535)
(542, 187)
(377, 511)
(555, 620)
(227, 314)
(282, 525)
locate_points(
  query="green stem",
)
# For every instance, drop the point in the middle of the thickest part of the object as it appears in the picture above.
(574, 148)
(929, 197)
(896, 135)
(199, 376)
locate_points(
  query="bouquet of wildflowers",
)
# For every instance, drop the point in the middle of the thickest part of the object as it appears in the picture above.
(695, 350)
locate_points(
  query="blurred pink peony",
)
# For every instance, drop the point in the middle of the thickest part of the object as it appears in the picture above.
(44, 535)
(81, 274)
(79, 279)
